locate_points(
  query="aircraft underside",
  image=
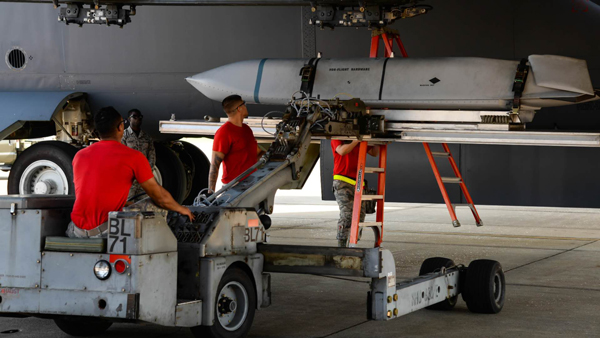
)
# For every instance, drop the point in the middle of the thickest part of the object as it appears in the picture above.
(325, 13)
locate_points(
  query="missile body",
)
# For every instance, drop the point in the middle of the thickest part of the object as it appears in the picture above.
(462, 83)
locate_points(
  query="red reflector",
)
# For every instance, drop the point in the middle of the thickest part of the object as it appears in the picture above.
(120, 266)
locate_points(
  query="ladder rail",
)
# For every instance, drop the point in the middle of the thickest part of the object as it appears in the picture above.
(359, 196)
(463, 186)
(381, 191)
(374, 46)
(387, 41)
(438, 178)
(401, 46)
(358, 192)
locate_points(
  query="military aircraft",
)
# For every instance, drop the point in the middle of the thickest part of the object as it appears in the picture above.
(55, 75)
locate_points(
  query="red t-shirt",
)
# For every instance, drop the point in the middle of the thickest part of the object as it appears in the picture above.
(103, 174)
(239, 146)
(346, 165)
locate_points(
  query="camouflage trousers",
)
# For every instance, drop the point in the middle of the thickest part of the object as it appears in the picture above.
(344, 196)
(136, 189)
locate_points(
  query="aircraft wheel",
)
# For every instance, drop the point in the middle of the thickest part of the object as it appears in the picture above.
(43, 168)
(235, 305)
(434, 264)
(201, 166)
(156, 174)
(484, 287)
(81, 326)
(171, 171)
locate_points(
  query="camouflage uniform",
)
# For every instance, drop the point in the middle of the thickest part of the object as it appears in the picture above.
(144, 144)
(344, 196)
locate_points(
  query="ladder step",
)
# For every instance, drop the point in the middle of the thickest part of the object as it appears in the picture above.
(440, 154)
(451, 180)
(370, 170)
(370, 224)
(372, 197)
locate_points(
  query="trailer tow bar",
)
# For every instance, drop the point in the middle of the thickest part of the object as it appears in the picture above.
(482, 284)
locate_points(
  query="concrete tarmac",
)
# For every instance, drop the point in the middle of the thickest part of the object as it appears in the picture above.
(551, 258)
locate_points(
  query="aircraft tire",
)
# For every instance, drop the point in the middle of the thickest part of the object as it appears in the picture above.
(82, 327)
(235, 287)
(201, 166)
(46, 166)
(484, 288)
(434, 264)
(171, 171)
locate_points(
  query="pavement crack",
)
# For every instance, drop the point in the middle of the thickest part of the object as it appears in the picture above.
(344, 279)
(342, 330)
(303, 226)
(432, 243)
(412, 223)
(551, 256)
(470, 234)
(400, 209)
(552, 287)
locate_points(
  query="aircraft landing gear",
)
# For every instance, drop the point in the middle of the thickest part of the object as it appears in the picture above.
(44, 168)
(183, 169)
(201, 165)
(171, 170)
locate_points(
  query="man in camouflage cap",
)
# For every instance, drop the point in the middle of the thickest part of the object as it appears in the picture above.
(135, 138)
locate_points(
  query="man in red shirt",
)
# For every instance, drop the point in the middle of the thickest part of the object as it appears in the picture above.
(103, 174)
(345, 167)
(234, 144)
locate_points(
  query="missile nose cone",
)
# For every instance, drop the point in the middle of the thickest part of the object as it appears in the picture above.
(236, 78)
(266, 81)
(207, 84)
(201, 82)
(198, 81)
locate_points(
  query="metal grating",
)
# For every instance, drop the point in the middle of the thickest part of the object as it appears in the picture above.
(191, 232)
(16, 59)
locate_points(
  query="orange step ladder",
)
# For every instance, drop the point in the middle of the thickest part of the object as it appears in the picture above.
(359, 196)
(388, 36)
(457, 179)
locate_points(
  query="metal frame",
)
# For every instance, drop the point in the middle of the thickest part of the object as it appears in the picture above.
(387, 298)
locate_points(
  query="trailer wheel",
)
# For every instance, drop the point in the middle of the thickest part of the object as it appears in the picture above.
(485, 287)
(44, 168)
(171, 171)
(82, 326)
(201, 169)
(235, 305)
(434, 264)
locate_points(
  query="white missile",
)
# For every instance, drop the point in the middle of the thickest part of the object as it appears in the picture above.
(458, 83)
